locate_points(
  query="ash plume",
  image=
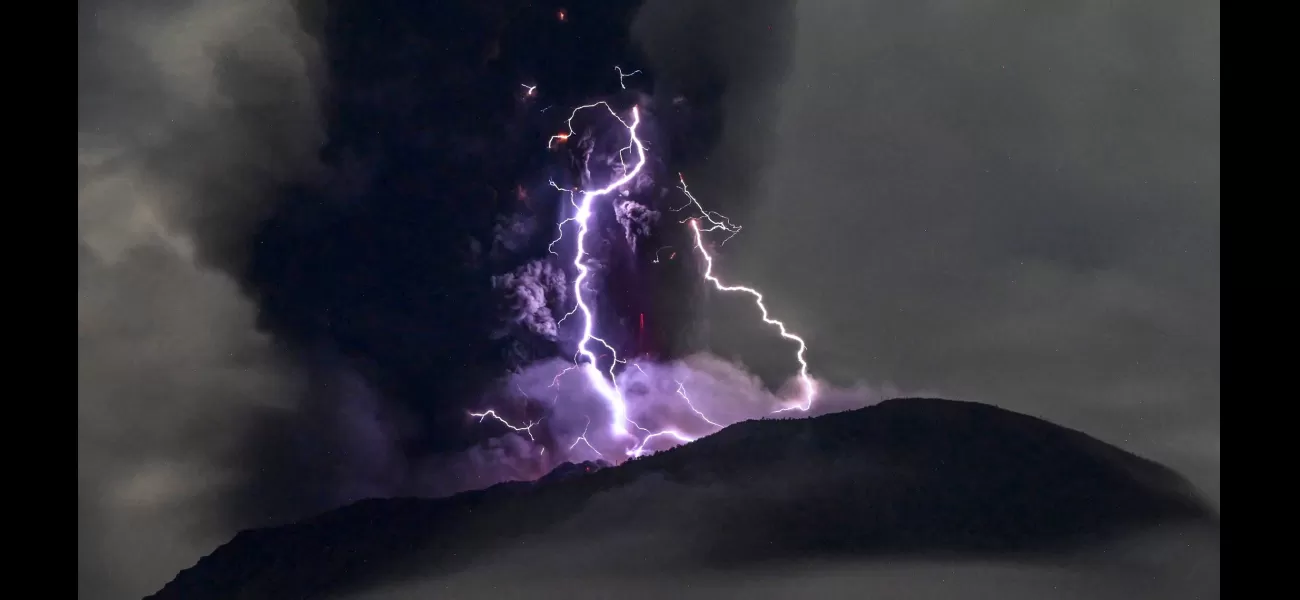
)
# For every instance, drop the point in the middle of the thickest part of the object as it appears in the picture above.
(718, 68)
(636, 220)
(211, 180)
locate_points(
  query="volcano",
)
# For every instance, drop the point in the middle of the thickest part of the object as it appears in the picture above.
(901, 480)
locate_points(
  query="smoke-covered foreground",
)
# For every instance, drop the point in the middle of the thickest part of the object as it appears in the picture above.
(906, 482)
(1174, 564)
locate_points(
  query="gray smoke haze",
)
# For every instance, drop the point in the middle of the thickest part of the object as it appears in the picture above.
(611, 549)
(1012, 201)
(187, 115)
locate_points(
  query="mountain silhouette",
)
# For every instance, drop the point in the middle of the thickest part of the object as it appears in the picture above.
(904, 478)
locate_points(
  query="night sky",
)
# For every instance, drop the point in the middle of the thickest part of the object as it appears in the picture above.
(294, 220)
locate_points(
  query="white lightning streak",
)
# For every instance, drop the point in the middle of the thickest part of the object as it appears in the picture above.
(492, 413)
(809, 386)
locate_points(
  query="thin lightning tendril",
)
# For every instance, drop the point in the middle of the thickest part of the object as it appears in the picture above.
(679, 436)
(805, 380)
(583, 438)
(493, 413)
(681, 391)
(622, 76)
(716, 220)
(560, 228)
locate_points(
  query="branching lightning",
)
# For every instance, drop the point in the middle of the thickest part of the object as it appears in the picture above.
(605, 381)
(583, 438)
(716, 220)
(493, 413)
(622, 76)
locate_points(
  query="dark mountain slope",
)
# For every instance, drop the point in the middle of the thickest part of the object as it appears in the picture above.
(914, 477)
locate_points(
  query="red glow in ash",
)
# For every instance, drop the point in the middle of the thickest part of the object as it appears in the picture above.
(562, 15)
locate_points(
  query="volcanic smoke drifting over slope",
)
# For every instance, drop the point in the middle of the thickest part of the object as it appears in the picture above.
(369, 185)
(764, 509)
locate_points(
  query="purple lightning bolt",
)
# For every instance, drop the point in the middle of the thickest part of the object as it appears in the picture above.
(605, 387)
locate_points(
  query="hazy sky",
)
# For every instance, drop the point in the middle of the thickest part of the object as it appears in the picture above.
(1008, 202)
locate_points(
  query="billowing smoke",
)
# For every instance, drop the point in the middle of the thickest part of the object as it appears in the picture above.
(636, 219)
(531, 292)
(189, 117)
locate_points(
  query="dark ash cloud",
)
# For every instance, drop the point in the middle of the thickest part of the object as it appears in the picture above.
(188, 117)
